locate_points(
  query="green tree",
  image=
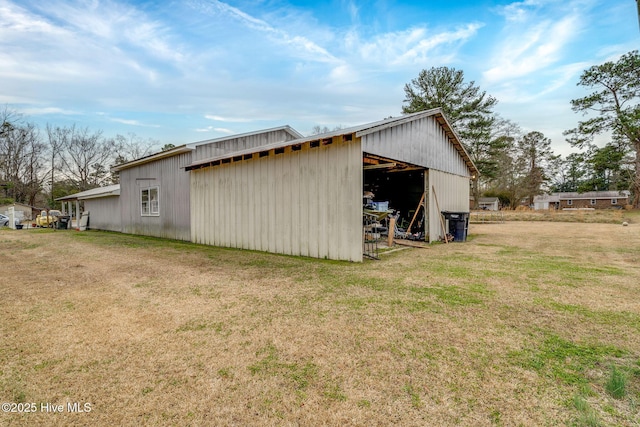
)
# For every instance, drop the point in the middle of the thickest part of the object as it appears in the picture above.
(61, 188)
(525, 165)
(468, 109)
(606, 168)
(481, 150)
(534, 150)
(568, 173)
(504, 134)
(444, 87)
(615, 102)
(509, 184)
(486, 148)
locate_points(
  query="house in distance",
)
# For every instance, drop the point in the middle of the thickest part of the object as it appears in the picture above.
(586, 200)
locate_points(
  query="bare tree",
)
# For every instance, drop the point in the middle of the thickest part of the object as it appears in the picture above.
(58, 139)
(21, 151)
(317, 129)
(131, 147)
(84, 156)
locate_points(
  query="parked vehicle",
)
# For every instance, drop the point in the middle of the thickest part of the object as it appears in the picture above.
(44, 220)
(4, 221)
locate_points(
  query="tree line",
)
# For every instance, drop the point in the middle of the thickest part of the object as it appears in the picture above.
(516, 166)
(37, 166)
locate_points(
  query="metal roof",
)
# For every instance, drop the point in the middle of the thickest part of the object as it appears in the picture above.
(185, 148)
(357, 131)
(556, 197)
(285, 128)
(152, 158)
(94, 193)
(595, 195)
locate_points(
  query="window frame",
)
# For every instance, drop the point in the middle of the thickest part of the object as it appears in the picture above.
(592, 202)
(570, 202)
(151, 204)
(614, 201)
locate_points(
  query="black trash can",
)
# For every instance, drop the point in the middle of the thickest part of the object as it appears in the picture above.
(458, 225)
(63, 222)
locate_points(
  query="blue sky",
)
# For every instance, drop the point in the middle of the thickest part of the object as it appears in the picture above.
(191, 70)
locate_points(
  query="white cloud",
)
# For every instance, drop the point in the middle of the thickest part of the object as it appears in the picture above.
(519, 11)
(227, 119)
(45, 48)
(564, 76)
(531, 46)
(353, 10)
(301, 46)
(35, 111)
(214, 129)
(343, 74)
(131, 122)
(413, 46)
(537, 49)
(421, 51)
(108, 24)
(17, 20)
(126, 121)
(150, 36)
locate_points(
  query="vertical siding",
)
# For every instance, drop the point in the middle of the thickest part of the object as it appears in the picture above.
(174, 219)
(305, 202)
(220, 148)
(420, 142)
(453, 195)
(104, 213)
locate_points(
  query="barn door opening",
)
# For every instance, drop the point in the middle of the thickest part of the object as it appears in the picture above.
(395, 189)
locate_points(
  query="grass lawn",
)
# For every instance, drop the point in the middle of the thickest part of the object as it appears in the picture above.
(528, 323)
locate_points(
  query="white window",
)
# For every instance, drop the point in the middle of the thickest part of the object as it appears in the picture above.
(614, 201)
(569, 202)
(593, 202)
(150, 201)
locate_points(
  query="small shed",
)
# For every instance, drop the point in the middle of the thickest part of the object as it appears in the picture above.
(21, 211)
(546, 201)
(489, 203)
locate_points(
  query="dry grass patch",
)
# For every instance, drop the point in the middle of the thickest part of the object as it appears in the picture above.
(525, 324)
(605, 216)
